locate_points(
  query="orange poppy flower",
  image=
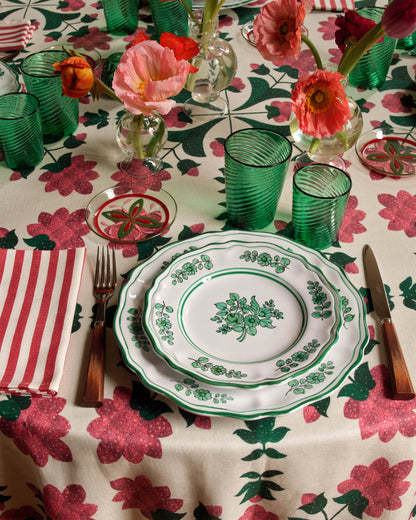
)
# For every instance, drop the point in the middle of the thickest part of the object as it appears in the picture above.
(77, 76)
(320, 104)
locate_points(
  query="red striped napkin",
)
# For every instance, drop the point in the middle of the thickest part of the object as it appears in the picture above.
(38, 294)
(333, 5)
(15, 34)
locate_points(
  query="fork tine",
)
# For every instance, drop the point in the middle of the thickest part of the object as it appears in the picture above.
(114, 280)
(97, 268)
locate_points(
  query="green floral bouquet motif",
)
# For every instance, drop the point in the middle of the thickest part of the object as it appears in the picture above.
(286, 365)
(190, 268)
(191, 387)
(237, 315)
(300, 386)
(163, 322)
(129, 220)
(266, 260)
(204, 364)
(320, 299)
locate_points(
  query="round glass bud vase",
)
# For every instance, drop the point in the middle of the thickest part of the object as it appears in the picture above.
(217, 66)
(329, 149)
(141, 137)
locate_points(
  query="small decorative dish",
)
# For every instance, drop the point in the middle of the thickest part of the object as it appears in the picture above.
(388, 151)
(122, 215)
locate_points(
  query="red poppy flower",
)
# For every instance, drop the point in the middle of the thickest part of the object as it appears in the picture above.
(183, 48)
(352, 28)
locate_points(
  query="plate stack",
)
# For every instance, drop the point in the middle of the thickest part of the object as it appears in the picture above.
(240, 324)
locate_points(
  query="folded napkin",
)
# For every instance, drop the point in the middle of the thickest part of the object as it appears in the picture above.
(38, 294)
(333, 5)
(15, 34)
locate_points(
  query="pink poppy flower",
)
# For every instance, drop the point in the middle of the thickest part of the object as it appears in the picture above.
(147, 75)
(399, 18)
(320, 104)
(277, 29)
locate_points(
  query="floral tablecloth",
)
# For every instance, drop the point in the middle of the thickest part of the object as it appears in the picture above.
(350, 455)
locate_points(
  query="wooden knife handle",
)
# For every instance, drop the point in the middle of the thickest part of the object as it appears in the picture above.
(400, 380)
(94, 385)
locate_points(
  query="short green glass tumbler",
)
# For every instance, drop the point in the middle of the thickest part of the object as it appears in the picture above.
(171, 17)
(320, 196)
(372, 68)
(21, 142)
(59, 113)
(256, 164)
(121, 16)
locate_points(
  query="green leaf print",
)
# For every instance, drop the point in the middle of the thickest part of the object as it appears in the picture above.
(408, 293)
(10, 408)
(360, 385)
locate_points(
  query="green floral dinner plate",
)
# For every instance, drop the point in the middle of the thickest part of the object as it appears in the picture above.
(245, 403)
(242, 314)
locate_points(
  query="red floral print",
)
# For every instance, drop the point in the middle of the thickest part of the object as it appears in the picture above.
(351, 268)
(172, 118)
(400, 210)
(38, 430)
(379, 483)
(125, 182)
(203, 422)
(257, 512)
(285, 108)
(76, 177)
(238, 84)
(328, 28)
(310, 414)
(67, 505)
(217, 148)
(23, 513)
(139, 493)
(63, 227)
(394, 103)
(308, 498)
(380, 414)
(123, 433)
(73, 5)
(94, 39)
(351, 222)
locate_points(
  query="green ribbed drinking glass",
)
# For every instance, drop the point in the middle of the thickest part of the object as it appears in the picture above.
(121, 16)
(372, 68)
(59, 113)
(256, 163)
(171, 17)
(21, 142)
(320, 196)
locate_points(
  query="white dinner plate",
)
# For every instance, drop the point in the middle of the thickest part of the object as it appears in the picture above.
(242, 314)
(245, 403)
(228, 4)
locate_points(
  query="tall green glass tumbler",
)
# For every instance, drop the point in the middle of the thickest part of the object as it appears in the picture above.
(59, 113)
(121, 16)
(171, 17)
(256, 164)
(21, 142)
(372, 68)
(320, 196)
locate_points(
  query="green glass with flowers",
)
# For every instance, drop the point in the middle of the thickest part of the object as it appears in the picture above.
(171, 17)
(320, 105)
(371, 70)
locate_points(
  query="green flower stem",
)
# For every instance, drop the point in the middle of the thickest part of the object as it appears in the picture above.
(109, 91)
(138, 144)
(314, 51)
(353, 54)
(156, 137)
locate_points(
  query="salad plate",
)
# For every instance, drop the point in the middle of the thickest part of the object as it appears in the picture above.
(245, 403)
(241, 314)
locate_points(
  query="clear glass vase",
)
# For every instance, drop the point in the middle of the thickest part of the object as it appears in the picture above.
(329, 149)
(141, 137)
(217, 66)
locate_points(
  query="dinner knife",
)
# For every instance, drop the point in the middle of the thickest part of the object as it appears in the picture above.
(400, 380)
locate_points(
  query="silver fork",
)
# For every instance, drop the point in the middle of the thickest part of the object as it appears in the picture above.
(104, 286)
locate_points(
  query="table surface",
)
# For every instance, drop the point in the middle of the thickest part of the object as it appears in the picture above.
(352, 451)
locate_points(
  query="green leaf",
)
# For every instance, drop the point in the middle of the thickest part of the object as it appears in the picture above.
(76, 324)
(147, 248)
(356, 502)
(254, 455)
(261, 91)
(274, 454)
(148, 407)
(40, 242)
(55, 18)
(186, 164)
(319, 503)
(194, 146)
(201, 513)
(408, 293)
(9, 240)
(341, 259)
(363, 376)
(355, 391)
(10, 408)
(73, 142)
(163, 514)
(186, 233)
(322, 406)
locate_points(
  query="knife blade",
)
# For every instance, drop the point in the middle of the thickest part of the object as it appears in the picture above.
(401, 383)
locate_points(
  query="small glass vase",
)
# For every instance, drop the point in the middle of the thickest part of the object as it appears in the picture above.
(217, 66)
(141, 137)
(329, 149)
